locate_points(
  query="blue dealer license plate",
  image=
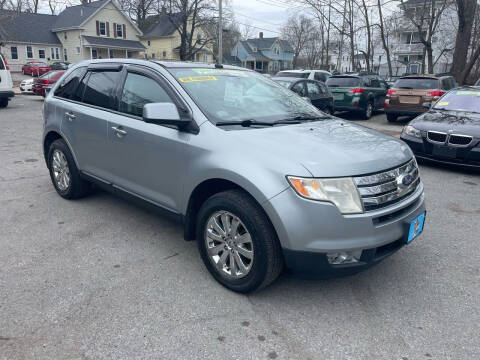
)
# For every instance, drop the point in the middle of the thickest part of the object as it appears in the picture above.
(416, 227)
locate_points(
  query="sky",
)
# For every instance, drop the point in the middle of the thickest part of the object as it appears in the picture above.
(266, 15)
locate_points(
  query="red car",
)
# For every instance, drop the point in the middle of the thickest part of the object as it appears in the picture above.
(45, 80)
(35, 68)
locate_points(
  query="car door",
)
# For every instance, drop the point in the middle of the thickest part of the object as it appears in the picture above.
(147, 160)
(315, 95)
(378, 92)
(87, 99)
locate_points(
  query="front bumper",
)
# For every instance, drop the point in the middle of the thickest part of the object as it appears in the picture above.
(466, 157)
(7, 94)
(308, 230)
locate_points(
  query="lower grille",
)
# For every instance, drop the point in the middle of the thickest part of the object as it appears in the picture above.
(438, 137)
(460, 140)
(388, 187)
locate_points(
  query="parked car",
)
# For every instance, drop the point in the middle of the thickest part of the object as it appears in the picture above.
(360, 93)
(406, 96)
(59, 65)
(35, 68)
(319, 75)
(6, 84)
(26, 85)
(449, 132)
(46, 80)
(258, 176)
(316, 91)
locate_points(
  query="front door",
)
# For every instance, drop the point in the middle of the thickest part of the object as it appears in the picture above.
(147, 160)
(318, 98)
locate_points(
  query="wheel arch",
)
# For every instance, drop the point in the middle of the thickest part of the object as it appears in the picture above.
(49, 138)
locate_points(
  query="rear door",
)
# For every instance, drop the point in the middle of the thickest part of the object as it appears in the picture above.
(318, 98)
(147, 160)
(379, 92)
(300, 88)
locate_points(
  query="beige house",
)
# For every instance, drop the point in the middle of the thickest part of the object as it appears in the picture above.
(162, 39)
(89, 31)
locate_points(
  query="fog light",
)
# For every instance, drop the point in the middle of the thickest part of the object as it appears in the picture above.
(344, 257)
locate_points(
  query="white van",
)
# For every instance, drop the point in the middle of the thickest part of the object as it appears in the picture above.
(6, 84)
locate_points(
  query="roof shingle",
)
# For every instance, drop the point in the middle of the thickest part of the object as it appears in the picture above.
(27, 28)
(74, 16)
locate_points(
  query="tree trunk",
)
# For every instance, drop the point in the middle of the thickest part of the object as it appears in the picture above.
(429, 51)
(466, 14)
(384, 40)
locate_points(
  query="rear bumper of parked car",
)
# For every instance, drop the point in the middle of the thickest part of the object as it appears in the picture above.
(39, 89)
(7, 94)
(466, 157)
(404, 110)
(309, 230)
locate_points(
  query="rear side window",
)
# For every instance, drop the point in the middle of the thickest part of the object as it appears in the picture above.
(320, 76)
(416, 83)
(343, 81)
(313, 89)
(138, 91)
(100, 89)
(68, 89)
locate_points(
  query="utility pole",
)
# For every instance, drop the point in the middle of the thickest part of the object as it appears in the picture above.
(220, 33)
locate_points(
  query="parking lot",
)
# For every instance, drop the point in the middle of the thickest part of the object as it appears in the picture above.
(101, 278)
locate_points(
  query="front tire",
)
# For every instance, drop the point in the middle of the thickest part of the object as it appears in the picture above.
(64, 172)
(237, 242)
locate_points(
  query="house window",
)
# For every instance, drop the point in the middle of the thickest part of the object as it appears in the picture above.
(41, 53)
(129, 54)
(94, 53)
(379, 58)
(110, 54)
(199, 37)
(78, 50)
(119, 30)
(57, 53)
(254, 49)
(65, 35)
(148, 42)
(102, 28)
(153, 55)
(405, 59)
(164, 54)
(65, 55)
(14, 52)
(29, 51)
(205, 58)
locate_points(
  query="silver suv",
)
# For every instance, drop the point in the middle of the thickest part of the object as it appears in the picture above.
(258, 176)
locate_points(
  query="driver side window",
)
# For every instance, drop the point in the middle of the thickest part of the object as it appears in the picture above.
(138, 91)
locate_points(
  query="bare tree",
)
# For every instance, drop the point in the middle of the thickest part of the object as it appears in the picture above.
(461, 66)
(384, 37)
(297, 31)
(426, 18)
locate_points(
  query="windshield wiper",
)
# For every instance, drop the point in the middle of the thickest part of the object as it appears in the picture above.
(245, 123)
(309, 118)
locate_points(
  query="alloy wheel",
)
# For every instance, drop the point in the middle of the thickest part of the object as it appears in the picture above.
(229, 245)
(61, 171)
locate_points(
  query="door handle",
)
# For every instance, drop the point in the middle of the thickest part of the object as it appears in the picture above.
(70, 116)
(120, 132)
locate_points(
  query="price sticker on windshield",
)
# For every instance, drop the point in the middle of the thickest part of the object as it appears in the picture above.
(197, 79)
(443, 103)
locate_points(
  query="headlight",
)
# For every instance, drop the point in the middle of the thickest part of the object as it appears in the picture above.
(342, 192)
(410, 130)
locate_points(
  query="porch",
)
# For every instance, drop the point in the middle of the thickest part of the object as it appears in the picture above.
(106, 48)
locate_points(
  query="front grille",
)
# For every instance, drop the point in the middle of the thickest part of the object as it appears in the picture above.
(438, 137)
(388, 187)
(460, 140)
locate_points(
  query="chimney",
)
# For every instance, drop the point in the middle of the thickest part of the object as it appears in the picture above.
(164, 10)
(260, 35)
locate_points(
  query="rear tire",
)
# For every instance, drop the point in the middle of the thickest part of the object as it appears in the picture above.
(368, 112)
(263, 261)
(3, 102)
(392, 118)
(64, 172)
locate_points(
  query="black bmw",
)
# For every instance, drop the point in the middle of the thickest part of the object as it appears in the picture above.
(450, 131)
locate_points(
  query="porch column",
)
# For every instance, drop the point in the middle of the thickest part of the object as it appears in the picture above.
(91, 53)
(126, 54)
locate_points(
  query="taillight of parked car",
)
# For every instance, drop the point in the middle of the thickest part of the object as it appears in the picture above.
(390, 92)
(436, 93)
(356, 90)
(6, 65)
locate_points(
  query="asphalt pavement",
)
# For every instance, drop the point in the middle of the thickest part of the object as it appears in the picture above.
(102, 278)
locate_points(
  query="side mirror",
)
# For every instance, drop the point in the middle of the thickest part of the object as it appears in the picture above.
(307, 99)
(163, 114)
(427, 105)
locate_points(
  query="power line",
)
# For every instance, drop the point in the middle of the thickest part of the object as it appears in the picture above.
(252, 18)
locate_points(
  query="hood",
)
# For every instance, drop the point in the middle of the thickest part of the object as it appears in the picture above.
(458, 122)
(328, 148)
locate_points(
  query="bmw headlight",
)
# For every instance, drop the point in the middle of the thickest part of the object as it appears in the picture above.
(341, 191)
(411, 131)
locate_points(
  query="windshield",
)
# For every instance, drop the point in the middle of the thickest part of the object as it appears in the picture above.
(303, 75)
(347, 81)
(460, 100)
(416, 83)
(236, 95)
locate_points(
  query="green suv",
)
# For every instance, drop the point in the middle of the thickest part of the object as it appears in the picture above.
(356, 92)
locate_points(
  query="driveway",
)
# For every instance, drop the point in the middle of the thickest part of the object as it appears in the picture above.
(100, 278)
